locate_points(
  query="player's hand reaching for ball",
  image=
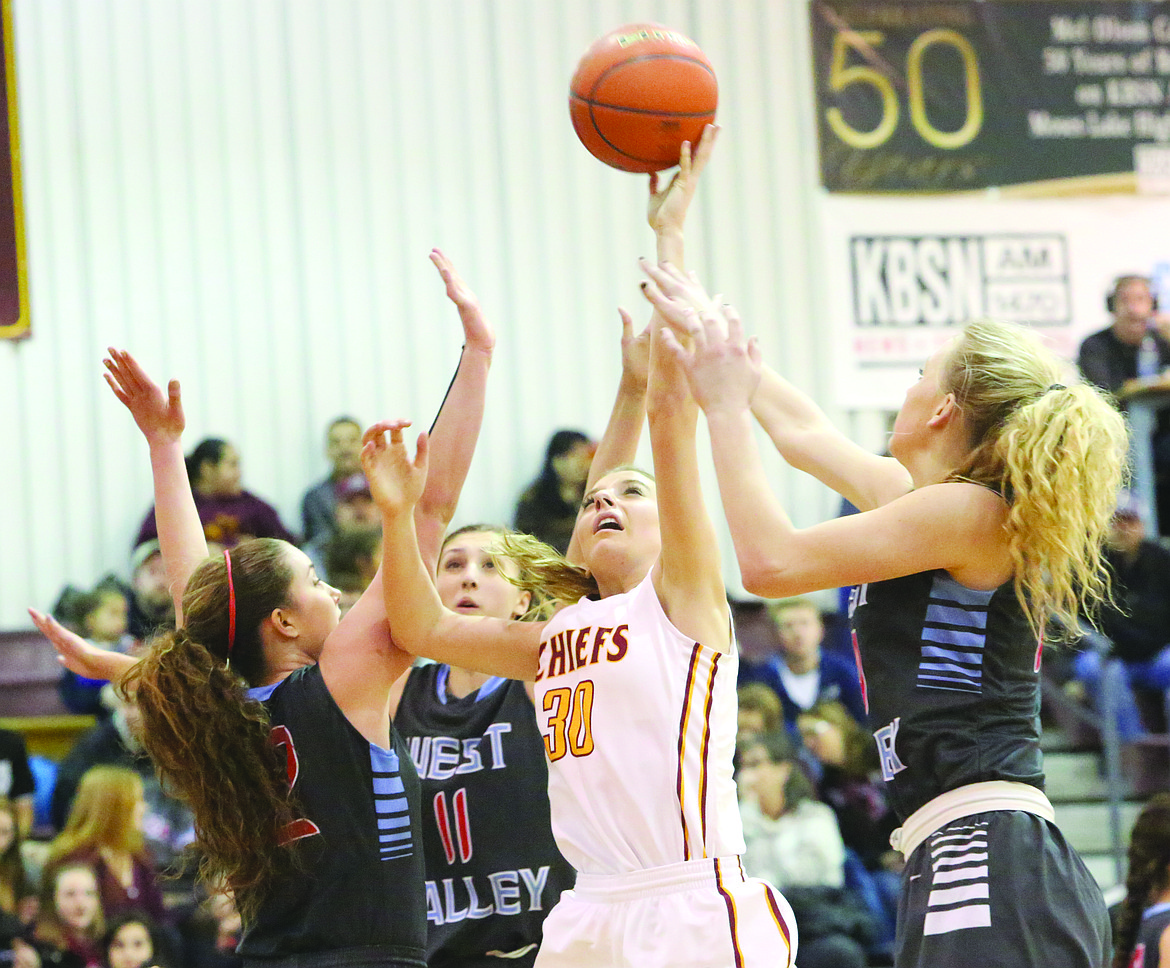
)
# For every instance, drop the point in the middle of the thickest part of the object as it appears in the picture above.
(396, 481)
(722, 368)
(667, 207)
(672, 292)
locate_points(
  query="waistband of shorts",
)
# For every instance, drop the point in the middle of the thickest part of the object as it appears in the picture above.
(359, 956)
(963, 802)
(653, 881)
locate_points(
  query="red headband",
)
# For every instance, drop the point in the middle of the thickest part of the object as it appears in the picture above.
(231, 604)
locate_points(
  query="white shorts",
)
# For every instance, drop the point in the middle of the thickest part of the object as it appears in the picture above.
(697, 914)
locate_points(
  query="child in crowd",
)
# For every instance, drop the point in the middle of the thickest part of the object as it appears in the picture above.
(104, 830)
(132, 941)
(100, 616)
(70, 923)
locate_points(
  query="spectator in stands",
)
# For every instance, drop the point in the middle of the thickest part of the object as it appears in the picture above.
(351, 560)
(70, 922)
(759, 711)
(133, 940)
(548, 508)
(850, 783)
(101, 617)
(792, 841)
(151, 608)
(215, 934)
(343, 447)
(17, 900)
(1133, 349)
(1111, 357)
(228, 512)
(104, 829)
(168, 824)
(1136, 624)
(801, 672)
(17, 783)
(354, 512)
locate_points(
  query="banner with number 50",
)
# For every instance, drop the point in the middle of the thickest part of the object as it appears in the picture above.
(1051, 97)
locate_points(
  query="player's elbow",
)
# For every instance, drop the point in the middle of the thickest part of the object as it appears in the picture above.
(762, 577)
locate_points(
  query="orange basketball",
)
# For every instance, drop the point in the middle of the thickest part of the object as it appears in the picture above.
(638, 93)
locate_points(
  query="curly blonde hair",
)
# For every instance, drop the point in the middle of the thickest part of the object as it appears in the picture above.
(1056, 453)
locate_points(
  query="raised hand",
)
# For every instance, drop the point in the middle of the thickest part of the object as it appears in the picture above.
(477, 331)
(673, 293)
(159, 415)
(76, 654)
(635, 353)
(722, 368)
(396, 482)
(666, 209)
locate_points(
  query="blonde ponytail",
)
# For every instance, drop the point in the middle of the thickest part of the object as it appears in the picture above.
(1056, 453)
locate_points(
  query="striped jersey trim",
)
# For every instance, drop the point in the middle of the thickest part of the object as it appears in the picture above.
(731, 916)
(395, 838)
(954, 635)
(706, 749)
(960, 887)
(684, 721)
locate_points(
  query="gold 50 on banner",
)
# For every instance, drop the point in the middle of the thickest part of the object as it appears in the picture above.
(1051, 96)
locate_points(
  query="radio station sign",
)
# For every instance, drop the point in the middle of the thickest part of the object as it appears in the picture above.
(1060, 96)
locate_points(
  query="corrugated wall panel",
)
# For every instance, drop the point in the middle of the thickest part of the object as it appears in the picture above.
(245, 194)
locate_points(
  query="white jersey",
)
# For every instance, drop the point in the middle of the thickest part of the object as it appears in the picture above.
(639, 725)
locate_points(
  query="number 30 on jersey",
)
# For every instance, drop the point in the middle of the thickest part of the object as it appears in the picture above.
(570, 723)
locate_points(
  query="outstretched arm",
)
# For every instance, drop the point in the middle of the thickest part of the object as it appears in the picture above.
(456, 428)
(422, 626)
(957, 527)
(160, 417)
(666, 211)
(619, 444)
(687, 576)
(361, 660)
(810, 443)
(79, 656)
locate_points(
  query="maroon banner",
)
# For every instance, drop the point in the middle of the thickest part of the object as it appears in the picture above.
(14, 321)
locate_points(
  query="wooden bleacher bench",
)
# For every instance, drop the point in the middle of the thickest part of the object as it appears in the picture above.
(29, 702)
(49, 736)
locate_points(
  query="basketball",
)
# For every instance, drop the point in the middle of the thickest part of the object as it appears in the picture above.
(638, 93)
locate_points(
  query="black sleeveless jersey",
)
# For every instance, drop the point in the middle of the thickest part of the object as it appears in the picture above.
(952, 683)
(493, 870)
(356, 896)
(1155, 920)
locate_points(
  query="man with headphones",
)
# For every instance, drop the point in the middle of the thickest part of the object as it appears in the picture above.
(1110, 358)
(1124, 356)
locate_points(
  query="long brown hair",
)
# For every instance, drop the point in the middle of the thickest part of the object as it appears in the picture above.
(1148, 874)
(102, 815)
(209, 741)
(14, 880)
(49, 926)
(1056, 453)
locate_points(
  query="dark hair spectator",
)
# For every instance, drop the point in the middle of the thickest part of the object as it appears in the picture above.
(228, 512)
(548, 508)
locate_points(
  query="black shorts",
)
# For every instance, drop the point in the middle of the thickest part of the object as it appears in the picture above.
(1000, 890)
